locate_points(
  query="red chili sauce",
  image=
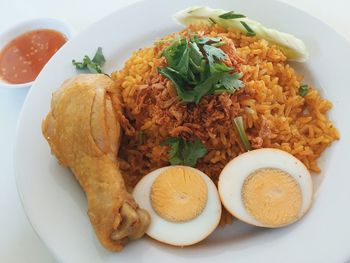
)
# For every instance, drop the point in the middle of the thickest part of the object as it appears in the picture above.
(22, 59)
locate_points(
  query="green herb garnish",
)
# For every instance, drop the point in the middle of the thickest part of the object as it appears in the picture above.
(219, 44)
(193, 10)
(214, 54)
(141, 137)
(229, 82)
(196, 68)
(184, 152)
(250, 31)
(93, 65)
(231, 15)
(211, 20)
(205, 40)
(238, 122)
(303, 89)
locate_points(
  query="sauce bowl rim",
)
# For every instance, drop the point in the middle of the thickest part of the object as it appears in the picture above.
(28, 25)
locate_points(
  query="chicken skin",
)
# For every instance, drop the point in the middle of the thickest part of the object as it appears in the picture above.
(84, 134)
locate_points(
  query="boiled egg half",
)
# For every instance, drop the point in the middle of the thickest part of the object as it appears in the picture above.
(183, 203)
(266, 187)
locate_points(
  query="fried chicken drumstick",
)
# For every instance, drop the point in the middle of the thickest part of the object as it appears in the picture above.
(84, 135)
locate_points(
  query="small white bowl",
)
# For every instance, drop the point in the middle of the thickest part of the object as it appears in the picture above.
(28, 25)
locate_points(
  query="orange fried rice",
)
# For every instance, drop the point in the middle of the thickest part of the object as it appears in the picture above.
(274, 113)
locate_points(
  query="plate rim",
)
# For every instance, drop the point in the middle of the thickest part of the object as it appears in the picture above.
(108, 16)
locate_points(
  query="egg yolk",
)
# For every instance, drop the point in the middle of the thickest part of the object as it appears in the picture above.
(272, 196)
(179, 194)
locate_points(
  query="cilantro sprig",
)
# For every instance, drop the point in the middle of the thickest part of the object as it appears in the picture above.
(195, 67)
(93, 65)
(184, 152)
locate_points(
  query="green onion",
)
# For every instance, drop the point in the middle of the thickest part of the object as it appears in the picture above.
(238, 121)
(141, 137)
(231, 15)
(250, 31)
(193, 10)
(212, 20)
(303, 89)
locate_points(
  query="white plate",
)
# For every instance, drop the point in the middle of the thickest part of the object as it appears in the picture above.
(56, 205)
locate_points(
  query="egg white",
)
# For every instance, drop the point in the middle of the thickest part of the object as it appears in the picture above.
(184, 233)
(232, 178)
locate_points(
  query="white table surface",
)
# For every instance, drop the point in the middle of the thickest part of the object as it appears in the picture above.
(18, 241)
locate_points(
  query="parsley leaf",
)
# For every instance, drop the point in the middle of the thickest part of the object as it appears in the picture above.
(303, 89)
(231, 15)
(184, 152)
(93, 65)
